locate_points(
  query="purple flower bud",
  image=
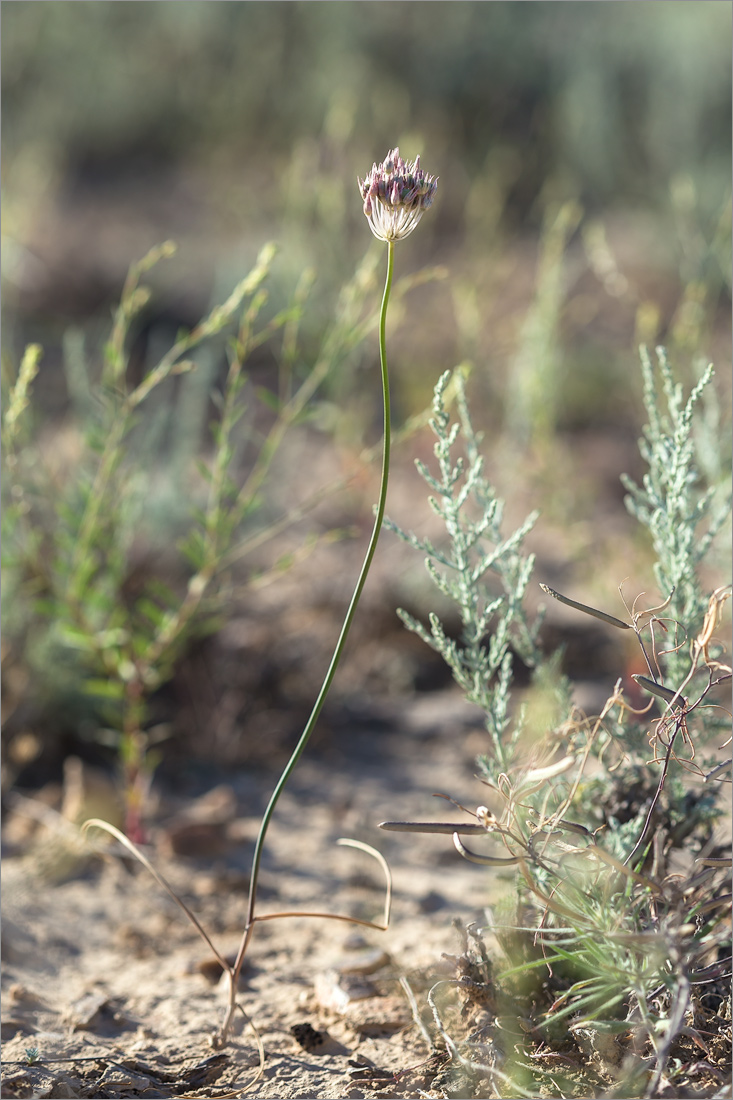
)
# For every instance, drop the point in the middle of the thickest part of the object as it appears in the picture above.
(396, 194)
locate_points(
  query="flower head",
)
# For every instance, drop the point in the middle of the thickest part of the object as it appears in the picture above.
(395, 196)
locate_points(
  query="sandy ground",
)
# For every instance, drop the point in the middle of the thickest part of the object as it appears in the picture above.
(106, 978)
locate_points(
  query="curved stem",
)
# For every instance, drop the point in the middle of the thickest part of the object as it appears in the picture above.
(310, 724)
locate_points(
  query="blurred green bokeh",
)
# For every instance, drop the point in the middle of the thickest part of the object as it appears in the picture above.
(225, 124)
(616, 98)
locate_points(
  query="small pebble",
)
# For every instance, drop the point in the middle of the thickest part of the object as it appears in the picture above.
(354, 942)
(431, 902)
(378, 1014)
(84, 1012)
(337, 991)
(361, 962)
(307, 1037)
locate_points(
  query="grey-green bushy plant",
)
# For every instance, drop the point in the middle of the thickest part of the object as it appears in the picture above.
(606, 946)
(682, 515)
(484, 574)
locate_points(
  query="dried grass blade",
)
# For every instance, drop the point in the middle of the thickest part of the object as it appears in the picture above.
(97, 823)
(487, 861)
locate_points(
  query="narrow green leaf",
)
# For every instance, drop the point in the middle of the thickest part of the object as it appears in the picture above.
(77, 638)
(610, 619)
(150, 611)
(105, 689)
(163, 592)
(268, 398)
(653, 688)
(465, 828)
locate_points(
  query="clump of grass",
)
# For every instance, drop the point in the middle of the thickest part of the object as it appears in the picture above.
(606, 948)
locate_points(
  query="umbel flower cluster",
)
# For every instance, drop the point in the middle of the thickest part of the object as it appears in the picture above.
(396, 194)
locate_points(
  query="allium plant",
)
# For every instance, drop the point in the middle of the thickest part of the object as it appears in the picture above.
(395, 196)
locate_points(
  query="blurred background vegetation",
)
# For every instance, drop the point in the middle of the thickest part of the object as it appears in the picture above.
(224, 124)
(584, 155)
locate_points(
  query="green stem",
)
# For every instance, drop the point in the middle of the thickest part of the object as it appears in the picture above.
(305, 736)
